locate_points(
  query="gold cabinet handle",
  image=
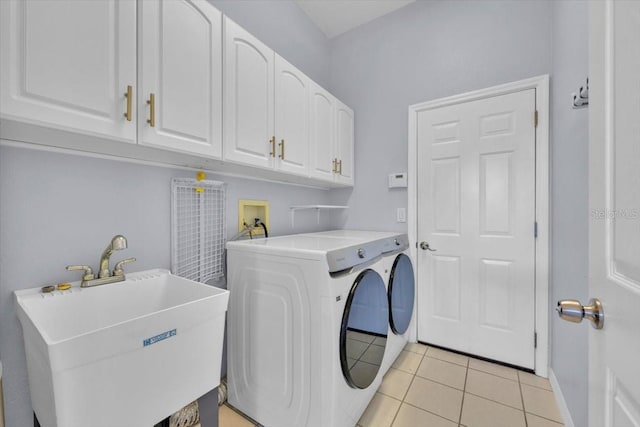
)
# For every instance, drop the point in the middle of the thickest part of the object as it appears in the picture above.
(152, 110)
(272, 141)
(339, 167)
(334, 165)
(281, 145)
(129, 95)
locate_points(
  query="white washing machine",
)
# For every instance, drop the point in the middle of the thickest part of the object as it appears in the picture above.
(307, 326)
(399, 277)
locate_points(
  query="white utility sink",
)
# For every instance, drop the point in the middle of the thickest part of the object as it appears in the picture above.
(126, 354)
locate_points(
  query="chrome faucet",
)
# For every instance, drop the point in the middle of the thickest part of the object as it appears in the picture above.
(118, 242)
(105, 276)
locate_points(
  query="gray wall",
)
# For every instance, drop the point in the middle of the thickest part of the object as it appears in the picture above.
(55, 211)
(569, 197)
(425, 51)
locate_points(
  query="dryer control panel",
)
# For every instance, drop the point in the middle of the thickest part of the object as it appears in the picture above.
(349, 257)
(398, 243)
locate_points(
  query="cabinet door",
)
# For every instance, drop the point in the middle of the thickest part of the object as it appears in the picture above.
(292, 118)
(181, 66)
(248, 98)
(322, 135)
(66, 64)
(344, 143)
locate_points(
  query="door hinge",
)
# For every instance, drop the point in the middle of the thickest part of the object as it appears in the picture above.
(535, 119)
(535, 340)
(535, 229)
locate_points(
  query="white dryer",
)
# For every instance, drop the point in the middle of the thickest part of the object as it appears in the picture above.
(307, 327)
(400, 280)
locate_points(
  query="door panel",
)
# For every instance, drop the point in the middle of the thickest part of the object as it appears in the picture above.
(445, 293)
(476, 207)
(67, 64)
(445, 184)
(496, 293)
(292, 118)
(614, 197)
(496, 200)
(248, 98)
(186, 83)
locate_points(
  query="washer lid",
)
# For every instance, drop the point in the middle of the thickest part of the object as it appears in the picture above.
(340, 252)
(343, 249)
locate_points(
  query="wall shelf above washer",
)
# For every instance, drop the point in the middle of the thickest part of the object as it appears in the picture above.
(318, 208)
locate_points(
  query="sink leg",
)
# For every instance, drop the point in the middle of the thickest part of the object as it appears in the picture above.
(163, 423)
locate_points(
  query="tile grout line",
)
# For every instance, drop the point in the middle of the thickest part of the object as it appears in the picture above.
(428, 412)
(538, 387)
(524, 409)
(495, 375)
(464, 391)
(533, 413)
(413, 377)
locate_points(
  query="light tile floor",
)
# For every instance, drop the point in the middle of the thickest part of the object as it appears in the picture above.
(431, 387)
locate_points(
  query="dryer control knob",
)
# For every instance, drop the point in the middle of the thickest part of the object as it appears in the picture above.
(361, 253)
(396, 242)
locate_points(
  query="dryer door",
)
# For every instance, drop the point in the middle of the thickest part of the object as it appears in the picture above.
(401, 294)
(363, 333)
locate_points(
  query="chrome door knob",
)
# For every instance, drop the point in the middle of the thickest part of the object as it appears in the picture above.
(573, 311)
(425, 247)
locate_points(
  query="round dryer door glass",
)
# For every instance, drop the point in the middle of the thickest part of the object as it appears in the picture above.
(401, 294)
(363, 334)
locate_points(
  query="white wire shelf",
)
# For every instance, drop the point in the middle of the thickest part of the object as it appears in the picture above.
(198, 230)
(318, 208)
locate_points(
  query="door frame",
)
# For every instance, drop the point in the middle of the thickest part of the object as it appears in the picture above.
(541, 86)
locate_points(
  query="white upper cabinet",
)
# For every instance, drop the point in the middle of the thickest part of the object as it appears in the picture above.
(332, 137)
(176, 79)
(180, 90)
(322, 135)
(344, 143)
(248, 98)
(67, 64)
(292, 118)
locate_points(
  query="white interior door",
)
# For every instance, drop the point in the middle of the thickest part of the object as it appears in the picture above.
(186, 82)
(614, 193)
(476, 218)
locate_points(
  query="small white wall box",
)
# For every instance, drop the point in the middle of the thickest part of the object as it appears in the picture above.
(398, 180)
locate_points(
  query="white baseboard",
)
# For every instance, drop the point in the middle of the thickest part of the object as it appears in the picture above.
(562, 404)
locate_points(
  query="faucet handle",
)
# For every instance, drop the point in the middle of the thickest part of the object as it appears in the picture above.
(88, 272)
(117, 270)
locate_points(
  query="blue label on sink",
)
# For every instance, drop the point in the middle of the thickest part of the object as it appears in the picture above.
(159, 337)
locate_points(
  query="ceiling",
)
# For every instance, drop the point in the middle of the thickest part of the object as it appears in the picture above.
(335, 17)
